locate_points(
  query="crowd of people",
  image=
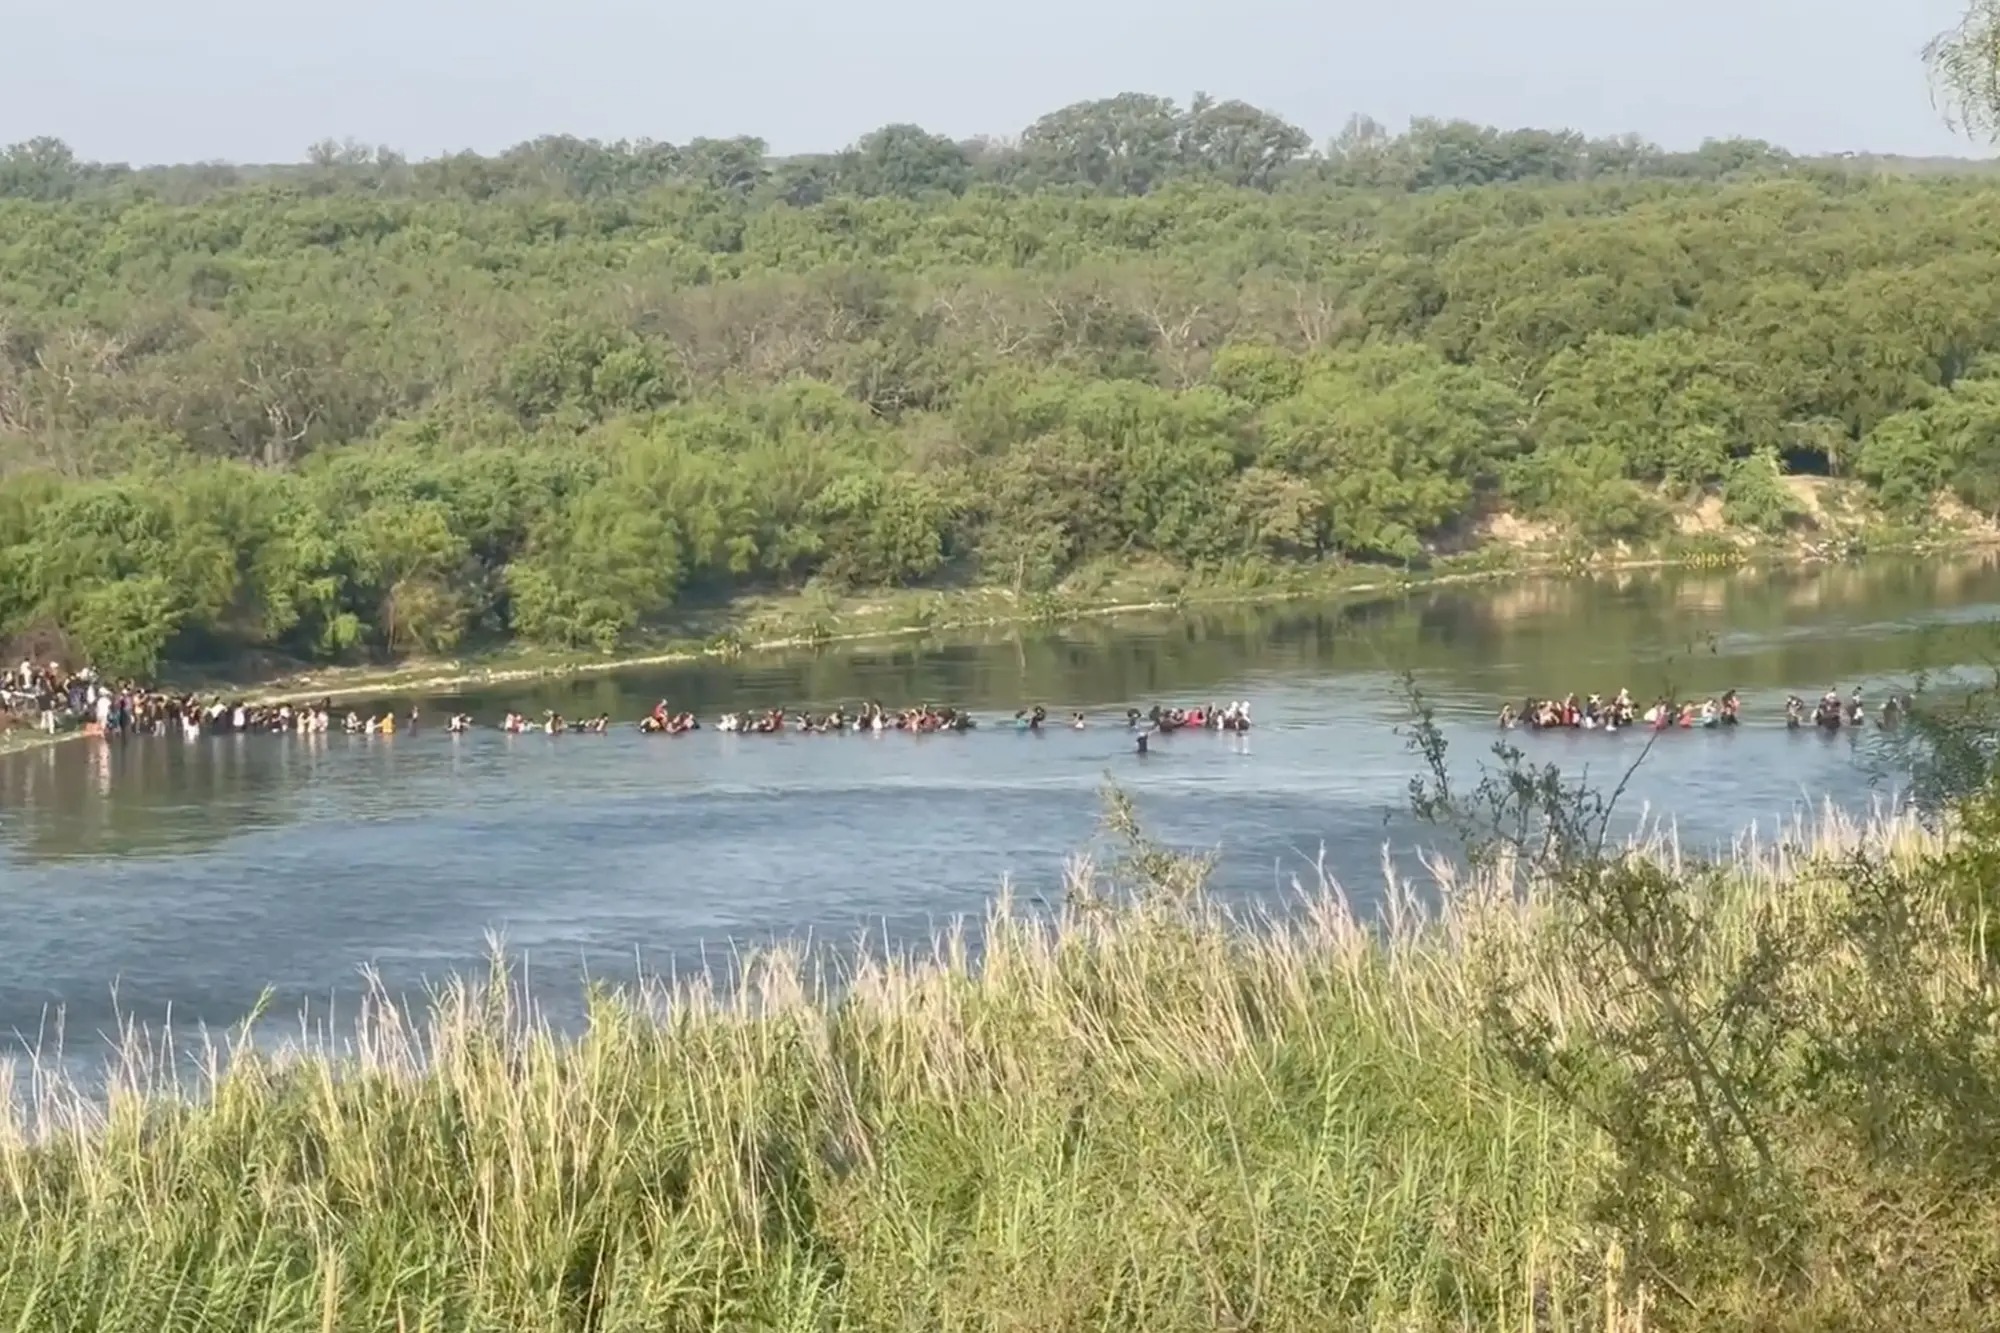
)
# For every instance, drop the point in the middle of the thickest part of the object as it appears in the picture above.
(52, 700)
(868, 717)
(1620, 712)
(53, 697)
(56, 698)
(1830, 714)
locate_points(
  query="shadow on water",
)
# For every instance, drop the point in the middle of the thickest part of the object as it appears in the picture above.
(190, 875)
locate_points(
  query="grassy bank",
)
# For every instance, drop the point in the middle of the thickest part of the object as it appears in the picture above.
(822, 618)
(1141, 1114)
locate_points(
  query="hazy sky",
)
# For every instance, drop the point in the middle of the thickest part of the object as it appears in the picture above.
(147, 81)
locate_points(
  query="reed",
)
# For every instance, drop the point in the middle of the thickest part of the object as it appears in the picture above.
(1141, 1112)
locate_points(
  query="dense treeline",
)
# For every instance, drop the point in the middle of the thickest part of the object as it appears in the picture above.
(1130, 144)
(369, 407)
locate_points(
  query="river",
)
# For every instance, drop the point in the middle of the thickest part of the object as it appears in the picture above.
(155, 879)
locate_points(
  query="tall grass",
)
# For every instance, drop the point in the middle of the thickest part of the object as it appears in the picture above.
(1144, 1113)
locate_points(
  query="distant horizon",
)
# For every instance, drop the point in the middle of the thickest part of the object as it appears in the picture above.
(229, 81)
(1963, 151)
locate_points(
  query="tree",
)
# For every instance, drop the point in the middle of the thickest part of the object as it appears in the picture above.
(1397, 441)
(1239, 143)
(409, 558)
(1754, 494)
(736, 166)
(42, 168)
(595, 571)
(881, 528)
(1668, 405)
(1964, 65)
(1951, 443)
(1126, 144)
(906, 161)
(592, 371)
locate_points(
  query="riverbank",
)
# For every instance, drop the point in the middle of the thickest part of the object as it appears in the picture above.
(817, 619)
(1295, 1125)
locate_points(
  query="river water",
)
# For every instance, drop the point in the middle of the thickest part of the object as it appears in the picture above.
(160, 879)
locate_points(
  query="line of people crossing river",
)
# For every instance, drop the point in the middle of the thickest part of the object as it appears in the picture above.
(56, 699)
(53, 696)
(129, 712)
(870, 717)
(1620, 712)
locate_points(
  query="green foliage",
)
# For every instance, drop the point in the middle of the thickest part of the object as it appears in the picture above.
(1586, 489)
(1790, 1067)
(1399, 441)
(594, 570)
(1951, 443)
(365, 406)
(590, 373)
(1754, 495)
(1664, 405)
(880, 528)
